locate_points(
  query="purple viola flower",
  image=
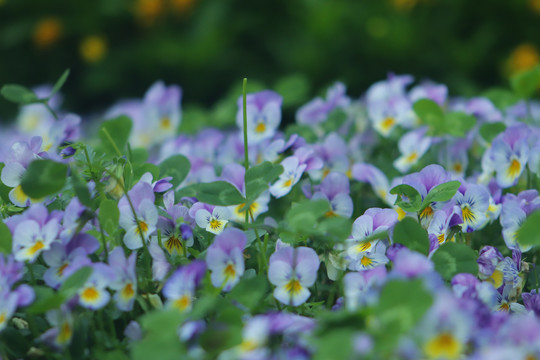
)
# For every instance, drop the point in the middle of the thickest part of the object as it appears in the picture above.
(531, 300)
(71, 220)
(292, 172)
(64, 131)
(93, 294)
(483, 109)
(20, 156)
(429, 90)
(209, 217)
(176, 228)
(317, 110)
(488, 259)
(361, 288)
(412, 146)
(158, 186)
(376, 178)
(62, 264)
(225, 258)
(474, 203)
(335, 189)
(142, 198)
(8, 305)
(60, 335)
(292, 271)
(515, 210)
(363, 254)
(454, 156)
(411, 264)
(442, 222)
(333, 153)
(234, 174)
(509, 153)
(125, 279)
(160, 264)
(263, 115)
(180, 287)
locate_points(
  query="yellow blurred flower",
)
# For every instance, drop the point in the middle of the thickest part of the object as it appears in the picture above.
(93, 48)
(404, 4)
(524, 57)
(148, 10)
(535, 5)
(47, 32)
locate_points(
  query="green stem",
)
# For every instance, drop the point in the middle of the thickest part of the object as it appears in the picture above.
(244, 107)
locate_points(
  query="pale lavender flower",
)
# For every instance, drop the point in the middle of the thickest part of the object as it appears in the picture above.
(376, 178)
(93, 294)
(160, 265)
(180, 287)
(8, 305)
(263, 115)
(292, 271)
(317, 110)
(209, 217)
(412, 146)
(158, 186)
(30, 239)
(335, 189)
(292, 172)
(142, 198)
(333, 153)
(60, 335)
(411, 264)
(225, 258)
(125, 279)
(362, 288)
(429, 90)
(62, 264)
(474, 203)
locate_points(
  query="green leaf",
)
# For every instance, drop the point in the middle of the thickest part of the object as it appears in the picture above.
(402, 303)
(119, 130)
(413, 199)
(303, 217)
(141, 168)
(489, 131)
(6, 242)
(73, 283)
(411, 234)
(80, 189)
(458, 123)
(441, 192)
(250, 292)
(526, 82)
(46, 299)
(294, 89)
(430, 113)
(59, 83)
(18, 94)
(304, 131)
(334, 344)
(501, 98)
(529, 233)
(43, 178)
(221, 193)
(177, 166)
(258, 177)
(336, 118)
(337, 228)
(160, 336)
(453, 258)
(109, 215)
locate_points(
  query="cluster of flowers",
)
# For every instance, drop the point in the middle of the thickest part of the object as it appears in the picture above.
(183, 241)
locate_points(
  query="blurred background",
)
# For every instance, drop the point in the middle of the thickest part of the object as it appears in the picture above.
(117, 48)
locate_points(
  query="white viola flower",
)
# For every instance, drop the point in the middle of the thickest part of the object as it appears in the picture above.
(30, 239)
(213, 222)
(292, 172)
(412, 146)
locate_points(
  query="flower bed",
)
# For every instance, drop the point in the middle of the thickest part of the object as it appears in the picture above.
(401, 224)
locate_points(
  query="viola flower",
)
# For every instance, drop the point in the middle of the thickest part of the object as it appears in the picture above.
(363, 254)
(211, 218)
(21, 154)
(412, 146)
(158, 186)
(488, 261)
(362, 288)
(292, 172)
(335, 189)
(441, 223)
(263, 115)
(30, 239)
(317, 110)
(429, 90)
(504, 302)
(509, 153)
(411, 264)
(62, 264)
(531, 301)
(333, 153)
(474, 203)
(376, 178)
(142, 198)
(93, 294)
(61, 333)
(454, 157)
(160, 265)
(125, 279)
(234, 174)
(8, 305)
(513, 215)
(292, 271)
(180, 287)
(35, 119)
(225, 258)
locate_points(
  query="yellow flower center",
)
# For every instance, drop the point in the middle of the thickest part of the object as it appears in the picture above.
(496, 278)
(93, 48)
(143, 227)
(363, 247)
(412, 157)
(36, 247)
(387, 123)
(457, 167)
(182, 303)
(444, 345)
(166, 123)
(64, 335)
(514, 168)
(366, 261)
(260, 128)
(427, 212)
(128, 292)
(61, 269)
(229, 271)
(504, 307)
(173, 243)
(293, 287)
(90, 294)
(440, 238)
(468, 215)
(248, 345)
(215, 224)
(2, 317)
(288, 183)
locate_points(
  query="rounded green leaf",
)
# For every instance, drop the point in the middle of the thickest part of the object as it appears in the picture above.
(43, 178)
